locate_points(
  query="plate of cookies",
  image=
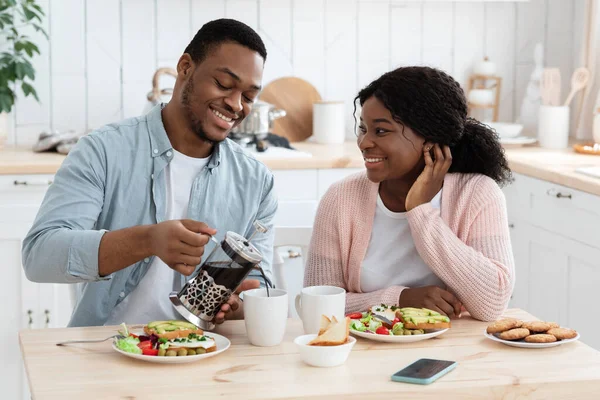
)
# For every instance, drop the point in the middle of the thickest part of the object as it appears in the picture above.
(529, 334)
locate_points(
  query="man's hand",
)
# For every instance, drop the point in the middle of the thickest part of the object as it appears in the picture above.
(180, 243)
(233, 308)
(432, 297)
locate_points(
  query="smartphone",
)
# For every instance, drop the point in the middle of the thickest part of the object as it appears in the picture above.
(424, 371)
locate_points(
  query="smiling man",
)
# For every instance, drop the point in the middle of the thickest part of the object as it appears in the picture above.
(134, 204)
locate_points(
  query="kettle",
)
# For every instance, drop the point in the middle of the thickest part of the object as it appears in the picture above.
(158, 95)
(258, 123)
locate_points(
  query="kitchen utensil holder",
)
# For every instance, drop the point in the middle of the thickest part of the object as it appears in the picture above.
(553, 127)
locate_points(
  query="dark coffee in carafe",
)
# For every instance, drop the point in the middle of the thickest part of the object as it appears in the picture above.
(217, 279)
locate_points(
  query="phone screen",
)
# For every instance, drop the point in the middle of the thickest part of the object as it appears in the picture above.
(424, 368)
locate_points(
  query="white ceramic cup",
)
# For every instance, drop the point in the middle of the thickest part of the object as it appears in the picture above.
(265, 317)
(553, 127)
(314, 301)
(329, 122)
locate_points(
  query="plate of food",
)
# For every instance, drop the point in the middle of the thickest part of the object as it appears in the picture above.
(392, 324)
(529, 334)
(169, 342)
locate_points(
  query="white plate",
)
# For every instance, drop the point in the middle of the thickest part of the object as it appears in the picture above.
(526, 345)
(400, 338)
(518, 140)
(222, 344)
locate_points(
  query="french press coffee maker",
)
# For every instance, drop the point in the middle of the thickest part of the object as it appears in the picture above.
(219, 276)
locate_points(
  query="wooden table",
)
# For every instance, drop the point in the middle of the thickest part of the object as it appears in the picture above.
(486, 369)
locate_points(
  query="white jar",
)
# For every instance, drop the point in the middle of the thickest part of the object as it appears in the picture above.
(329, 122)
(481, 97)
(485, 67)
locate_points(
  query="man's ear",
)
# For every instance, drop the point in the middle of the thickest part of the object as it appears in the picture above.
(185, 65)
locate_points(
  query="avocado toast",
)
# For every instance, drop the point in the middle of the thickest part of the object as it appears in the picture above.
(172, 329)
(422, 318)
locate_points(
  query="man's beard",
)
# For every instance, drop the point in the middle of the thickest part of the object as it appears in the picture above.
(193, 122)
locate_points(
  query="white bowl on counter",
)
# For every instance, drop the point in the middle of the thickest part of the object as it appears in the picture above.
(506, 129)
(323, 356)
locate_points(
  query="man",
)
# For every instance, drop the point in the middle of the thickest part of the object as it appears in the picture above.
(134, 204)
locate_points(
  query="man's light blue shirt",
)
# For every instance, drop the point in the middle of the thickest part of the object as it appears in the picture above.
(115, 178)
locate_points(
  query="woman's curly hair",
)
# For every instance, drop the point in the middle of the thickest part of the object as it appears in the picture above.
(433, 105)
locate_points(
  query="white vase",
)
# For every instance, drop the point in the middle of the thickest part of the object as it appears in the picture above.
(596, 127)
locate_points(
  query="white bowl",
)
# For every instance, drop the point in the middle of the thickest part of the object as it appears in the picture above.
(506, 129)
(323, 356)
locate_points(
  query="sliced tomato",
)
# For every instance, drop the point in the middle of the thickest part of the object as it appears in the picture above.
(355, 315)
(382, 330)
(395, 320)
(134, 335)
(150, 352)
(146, 344)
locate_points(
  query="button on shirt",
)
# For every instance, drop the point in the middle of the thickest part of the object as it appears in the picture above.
(114, 178)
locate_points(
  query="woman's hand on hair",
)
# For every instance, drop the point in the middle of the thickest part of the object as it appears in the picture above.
(430, 182)
(433, 298)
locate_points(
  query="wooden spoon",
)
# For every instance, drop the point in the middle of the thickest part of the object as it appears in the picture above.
(551, 86)
(578, 81)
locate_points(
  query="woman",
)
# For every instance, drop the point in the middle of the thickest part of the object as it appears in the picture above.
(425, 225)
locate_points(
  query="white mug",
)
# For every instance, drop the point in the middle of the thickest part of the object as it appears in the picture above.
(265, 316)
(314, 301)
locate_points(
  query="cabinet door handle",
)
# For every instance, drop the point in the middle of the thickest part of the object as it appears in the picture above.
(511, 225)
(559, 195)
(32, 183)
(30, 315)
(47, 312)
(293, 254)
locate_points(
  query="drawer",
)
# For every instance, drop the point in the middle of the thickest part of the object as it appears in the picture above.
(296, 184)
(24, 189)
(296, 213)
(556, 208)
(327, 177)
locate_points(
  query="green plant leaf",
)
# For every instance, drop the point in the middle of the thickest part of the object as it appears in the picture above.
(29, 90)
(39, 28)
(29, 71)
(7, 99)
(26, 45)
(39, 9)
(29, 15)
(20, 70)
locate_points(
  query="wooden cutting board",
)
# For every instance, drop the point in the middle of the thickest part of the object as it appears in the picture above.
(296, 96)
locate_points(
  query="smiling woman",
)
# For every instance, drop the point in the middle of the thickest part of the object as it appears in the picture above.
(426, 225)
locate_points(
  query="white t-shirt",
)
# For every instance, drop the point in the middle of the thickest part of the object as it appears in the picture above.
(149, 301)
(392, 258)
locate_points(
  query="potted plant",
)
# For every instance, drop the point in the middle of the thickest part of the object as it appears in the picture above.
(16, 52)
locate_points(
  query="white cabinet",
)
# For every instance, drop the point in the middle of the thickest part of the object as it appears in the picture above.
(555, 233)
(299, 192)
(26, 305)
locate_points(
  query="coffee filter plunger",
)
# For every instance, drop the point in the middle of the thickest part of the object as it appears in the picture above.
(221, 273)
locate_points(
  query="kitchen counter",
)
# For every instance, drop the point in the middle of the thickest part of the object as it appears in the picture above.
(556, 166)
(486, 369)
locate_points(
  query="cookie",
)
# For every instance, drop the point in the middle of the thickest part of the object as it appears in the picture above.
(562, 333)
(514, 334)
(540, 338)
(504, 325)
(539, 326)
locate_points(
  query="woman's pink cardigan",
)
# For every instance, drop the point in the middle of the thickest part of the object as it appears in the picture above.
(466, 243)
